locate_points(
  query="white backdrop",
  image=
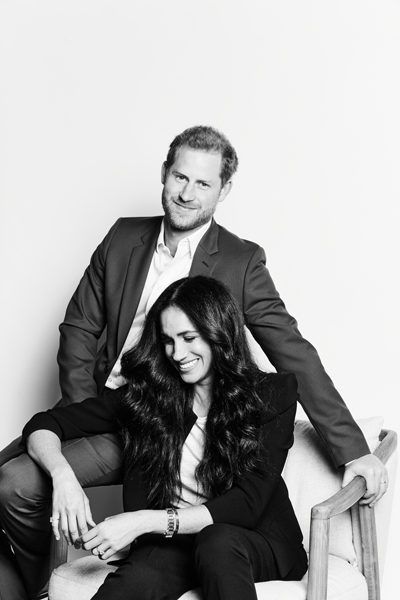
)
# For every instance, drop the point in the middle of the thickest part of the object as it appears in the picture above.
(93, 91)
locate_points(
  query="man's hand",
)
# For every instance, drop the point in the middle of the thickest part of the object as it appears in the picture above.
(374, 473)
(71, 510)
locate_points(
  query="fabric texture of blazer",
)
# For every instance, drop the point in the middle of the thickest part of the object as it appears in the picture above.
(258, 500)
(103, 306)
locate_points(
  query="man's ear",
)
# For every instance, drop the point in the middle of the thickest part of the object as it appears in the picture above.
(163, 172)
(225, 191)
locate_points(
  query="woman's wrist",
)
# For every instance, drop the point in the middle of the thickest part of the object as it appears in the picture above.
(153, 521)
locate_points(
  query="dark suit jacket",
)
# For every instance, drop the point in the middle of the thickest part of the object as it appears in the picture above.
(258, 500)
(104, 304)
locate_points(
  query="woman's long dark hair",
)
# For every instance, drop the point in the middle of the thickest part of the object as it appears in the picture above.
(156, 407)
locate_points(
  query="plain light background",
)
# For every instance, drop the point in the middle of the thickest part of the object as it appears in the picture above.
(93, 91)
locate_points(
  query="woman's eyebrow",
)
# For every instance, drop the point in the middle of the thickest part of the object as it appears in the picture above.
(181, 333)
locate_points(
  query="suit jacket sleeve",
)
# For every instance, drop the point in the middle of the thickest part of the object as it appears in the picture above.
(82, 327)
(244, 503)
(90, 417)
(277, 333)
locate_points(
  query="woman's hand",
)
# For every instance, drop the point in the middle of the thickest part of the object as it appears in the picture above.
(116, 532)
(71, 510)
(113, 534)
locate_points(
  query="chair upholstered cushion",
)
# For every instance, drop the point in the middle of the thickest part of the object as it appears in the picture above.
(81, 579)
(311, 478)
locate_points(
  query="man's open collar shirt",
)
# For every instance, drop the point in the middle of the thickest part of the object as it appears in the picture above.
(164, 270)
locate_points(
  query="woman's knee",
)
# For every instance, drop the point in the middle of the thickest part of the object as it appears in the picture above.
(216, 545)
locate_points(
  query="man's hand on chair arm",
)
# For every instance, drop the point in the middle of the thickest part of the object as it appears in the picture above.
(375, 474)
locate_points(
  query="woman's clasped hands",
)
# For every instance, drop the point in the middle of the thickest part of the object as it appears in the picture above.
(113, 534)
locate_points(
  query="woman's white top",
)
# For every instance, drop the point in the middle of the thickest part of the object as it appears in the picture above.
(192, 453)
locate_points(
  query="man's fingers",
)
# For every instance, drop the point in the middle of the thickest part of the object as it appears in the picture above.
(88, 512)
(54, 520)
(64, 527)
(73, 528)
(376, 487)
(374, 473)
(82, 526)
(383, 486)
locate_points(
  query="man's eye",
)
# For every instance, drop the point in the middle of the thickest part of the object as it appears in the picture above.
(180, 177)
(203, 184)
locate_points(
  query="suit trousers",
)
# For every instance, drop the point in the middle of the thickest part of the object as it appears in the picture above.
(224, 560)
(25, 508)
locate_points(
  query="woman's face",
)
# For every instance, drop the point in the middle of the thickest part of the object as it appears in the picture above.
(184, 346)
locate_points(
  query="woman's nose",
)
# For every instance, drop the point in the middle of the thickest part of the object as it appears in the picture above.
(180, 352)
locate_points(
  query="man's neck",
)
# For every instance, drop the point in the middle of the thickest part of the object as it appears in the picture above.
(172, 237)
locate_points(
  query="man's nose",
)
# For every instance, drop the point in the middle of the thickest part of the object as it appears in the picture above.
(187, 193)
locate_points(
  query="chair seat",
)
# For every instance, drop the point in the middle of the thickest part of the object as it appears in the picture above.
(81, 578)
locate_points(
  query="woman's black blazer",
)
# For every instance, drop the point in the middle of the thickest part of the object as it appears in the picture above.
(259, 500)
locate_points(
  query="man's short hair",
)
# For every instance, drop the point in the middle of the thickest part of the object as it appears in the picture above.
(203, 137)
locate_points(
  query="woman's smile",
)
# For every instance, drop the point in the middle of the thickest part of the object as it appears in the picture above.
(188, 365)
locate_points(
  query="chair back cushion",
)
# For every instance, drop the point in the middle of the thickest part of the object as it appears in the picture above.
(311, 479)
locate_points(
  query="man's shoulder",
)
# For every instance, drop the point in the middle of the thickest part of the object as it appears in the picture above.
(229, 240)
(137, 225)
(128, 229)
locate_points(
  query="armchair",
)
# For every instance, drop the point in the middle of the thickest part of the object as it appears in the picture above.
(342, 537)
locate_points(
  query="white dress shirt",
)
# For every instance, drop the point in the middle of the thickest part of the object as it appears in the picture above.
(192, 453)
(164, 269)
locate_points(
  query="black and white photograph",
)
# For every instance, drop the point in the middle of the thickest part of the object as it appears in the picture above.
(199, 214)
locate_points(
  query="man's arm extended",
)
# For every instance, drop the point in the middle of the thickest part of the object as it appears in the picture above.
(277, 333)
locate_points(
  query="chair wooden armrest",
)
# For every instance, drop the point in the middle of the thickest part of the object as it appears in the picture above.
(319, 530)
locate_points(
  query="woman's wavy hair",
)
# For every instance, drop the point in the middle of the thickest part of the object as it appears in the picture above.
(158, 402)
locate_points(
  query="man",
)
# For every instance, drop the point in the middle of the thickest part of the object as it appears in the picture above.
(134, 263)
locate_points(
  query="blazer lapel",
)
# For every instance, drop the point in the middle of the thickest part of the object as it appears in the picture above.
(206, 255)
(139, 264)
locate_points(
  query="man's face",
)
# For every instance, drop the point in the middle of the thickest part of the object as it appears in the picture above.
(192, 188)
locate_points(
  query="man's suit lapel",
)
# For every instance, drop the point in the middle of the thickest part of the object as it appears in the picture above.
(143, 247)
(139, 263)
(206, 255)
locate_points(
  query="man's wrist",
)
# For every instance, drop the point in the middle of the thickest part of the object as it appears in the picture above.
(61, 471)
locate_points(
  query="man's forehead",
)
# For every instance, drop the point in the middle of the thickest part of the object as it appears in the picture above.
(198, 160)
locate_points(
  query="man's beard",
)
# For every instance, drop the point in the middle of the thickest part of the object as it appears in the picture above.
(187, 222)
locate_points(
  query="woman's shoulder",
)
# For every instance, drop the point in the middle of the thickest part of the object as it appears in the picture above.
(278, 391)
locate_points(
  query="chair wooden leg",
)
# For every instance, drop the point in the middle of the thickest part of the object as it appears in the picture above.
(369, 551)
(318, 571)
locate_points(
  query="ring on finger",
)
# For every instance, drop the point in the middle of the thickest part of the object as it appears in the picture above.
(54, 519)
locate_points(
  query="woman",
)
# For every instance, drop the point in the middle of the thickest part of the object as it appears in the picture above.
(206, 436)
